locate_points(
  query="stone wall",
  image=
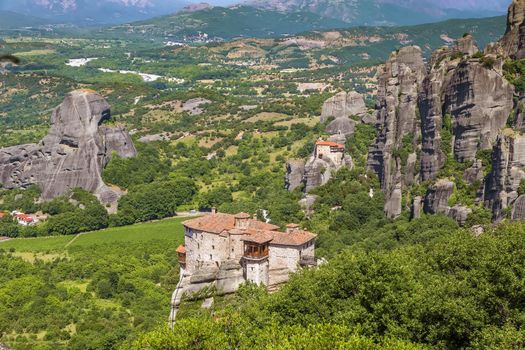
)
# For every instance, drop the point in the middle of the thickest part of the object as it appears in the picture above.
(257, 271)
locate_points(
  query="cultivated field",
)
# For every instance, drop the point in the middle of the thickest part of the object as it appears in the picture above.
(169, 229)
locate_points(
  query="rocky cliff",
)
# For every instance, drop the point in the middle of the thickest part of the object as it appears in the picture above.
(508, 163)
(398, 124)
(343, 108)
(460, 104)
(73, 153)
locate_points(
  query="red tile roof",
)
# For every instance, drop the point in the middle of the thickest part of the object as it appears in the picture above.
(257, 232)
(292, 239)
(219, 222)
(24, 217)
(259, 237)
(328, 143)
(181, 249)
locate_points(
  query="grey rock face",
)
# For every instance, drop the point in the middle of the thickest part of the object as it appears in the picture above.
(343, 105)
(513, 42)
(317, 172)
(397, 118)
(230, 277)
(436, 199)
(467, 45)
(518, 209)
(73, 153)
(479, 100)
(294, 174)
(459, 214)
(307, 203)
(417, 207)
(341, 126)
(508, 161)
(519, 115)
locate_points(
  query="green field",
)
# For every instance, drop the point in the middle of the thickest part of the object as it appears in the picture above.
(169, 229)
(100, 287)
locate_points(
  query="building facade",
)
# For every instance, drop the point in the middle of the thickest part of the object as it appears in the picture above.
(223, 251)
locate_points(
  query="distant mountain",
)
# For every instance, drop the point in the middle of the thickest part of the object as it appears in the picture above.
(10, 20)
(93, 12)
(224, 23)
(388, 12)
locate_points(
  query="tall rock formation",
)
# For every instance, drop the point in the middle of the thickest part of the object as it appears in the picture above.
(464, 104)
(513, 42)
(398, 123)
(342, 107)
(479, 100)
(508, 163)
(73, 153)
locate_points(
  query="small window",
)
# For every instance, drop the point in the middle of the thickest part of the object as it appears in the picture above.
(211, 257)
(252, 268)
(213, 247)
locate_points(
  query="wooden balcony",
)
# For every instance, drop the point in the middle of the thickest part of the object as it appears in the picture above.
(256, 251)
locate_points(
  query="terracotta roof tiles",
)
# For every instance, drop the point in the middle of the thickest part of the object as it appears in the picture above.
(219, 222)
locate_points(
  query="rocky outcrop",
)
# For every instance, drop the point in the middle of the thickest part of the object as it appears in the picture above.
(73, 153)
(317, 172)
(479, 100)
(436, 199)
(459, 214)
(341, 126)
(342, 108)
(518, 209)
(226, 279)
(398, 123)
(294, 174)
(344, 105)
(508, 162)
(513, 42)
(467, 45)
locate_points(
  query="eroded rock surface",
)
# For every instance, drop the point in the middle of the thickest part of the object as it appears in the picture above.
(398, 123)
(294, 174)
(513, 43)
(508, 162)
(73, 153)
(344, 105)
(479, 100)
(436, 199)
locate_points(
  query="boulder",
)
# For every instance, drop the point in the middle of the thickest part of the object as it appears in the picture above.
(459, 214)
(417, 207)
(294, 174)
(230, 277)
(317, 172)
(343, 105)
(73, 153)
(467, 45)
(307, 203)
(436, 199)
(518, 209)
(341, 126)
(204, 275)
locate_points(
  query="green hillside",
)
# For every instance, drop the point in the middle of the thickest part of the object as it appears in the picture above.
(11, 20)
(224, 23)
(88, 291)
